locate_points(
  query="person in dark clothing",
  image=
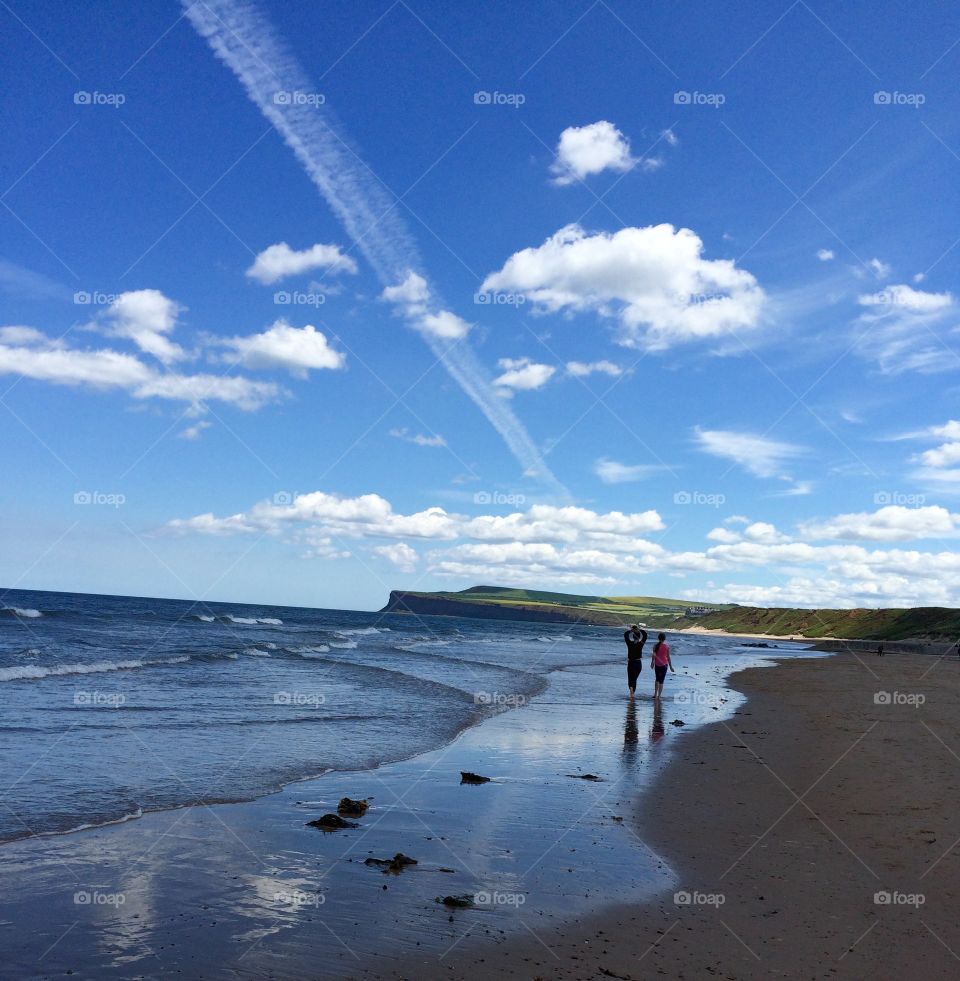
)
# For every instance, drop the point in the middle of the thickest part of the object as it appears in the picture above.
(634, 638)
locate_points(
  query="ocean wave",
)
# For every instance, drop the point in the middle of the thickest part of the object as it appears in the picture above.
(416, 646)
(346, 645)
(17, 611)
(307, 651)
(204, 618)
(556, 637)
(270, 621)
(31, 673)
(255, 652)
(360, 631)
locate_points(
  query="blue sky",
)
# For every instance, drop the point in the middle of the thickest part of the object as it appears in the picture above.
(301, 303)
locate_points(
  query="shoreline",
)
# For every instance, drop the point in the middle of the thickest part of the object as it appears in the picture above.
(250, 889)
(813, 835)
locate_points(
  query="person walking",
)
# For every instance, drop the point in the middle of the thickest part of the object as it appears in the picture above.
(660, 661)
(634, 638)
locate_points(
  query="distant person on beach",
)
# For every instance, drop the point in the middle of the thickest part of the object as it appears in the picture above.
(634, 638)
(660, 661)
(880, 651)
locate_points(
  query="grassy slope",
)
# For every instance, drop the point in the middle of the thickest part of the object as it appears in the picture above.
(891, 624)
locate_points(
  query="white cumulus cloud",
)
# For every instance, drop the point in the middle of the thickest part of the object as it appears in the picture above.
(653, 281)
(296, 349)
(278, 261)
(523, 375)
(586, 150)
(145, 317)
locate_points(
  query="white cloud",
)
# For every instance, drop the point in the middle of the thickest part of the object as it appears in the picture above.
(414, 301)
(586, 150)
(522, 374)
(400, 554)
(765, 533)
(879, 268)
(825, 255)
(899, 329)
(904, 297)
(553, 545)
(195, 431)
(296, 349)
(670, 137)
(652, 280)
(893, 523)
(278, 261)
(413, 293)
(759, 455)
(445, 325)
(145, 317)
(24, 336)
(418, 439)
(106, 369)
(614, 472)
(723, 535)
(582, 369)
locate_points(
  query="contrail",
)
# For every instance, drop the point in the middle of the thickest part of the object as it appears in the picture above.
(245, 41)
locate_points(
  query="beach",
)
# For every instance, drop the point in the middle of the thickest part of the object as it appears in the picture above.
(814, 836)
(223, 873)
(782, 812)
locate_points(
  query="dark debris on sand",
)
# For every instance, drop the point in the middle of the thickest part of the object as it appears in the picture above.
(467, 777)
(331, 822)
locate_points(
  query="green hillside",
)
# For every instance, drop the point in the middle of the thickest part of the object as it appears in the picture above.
(660, 613)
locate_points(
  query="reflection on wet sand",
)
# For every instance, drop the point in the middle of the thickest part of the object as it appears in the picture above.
(656, 729)
(631, 732)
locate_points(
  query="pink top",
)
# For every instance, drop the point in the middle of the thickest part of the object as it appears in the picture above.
(661, 652)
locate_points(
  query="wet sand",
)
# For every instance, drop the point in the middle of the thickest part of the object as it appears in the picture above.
(816, 834)
(249, 890)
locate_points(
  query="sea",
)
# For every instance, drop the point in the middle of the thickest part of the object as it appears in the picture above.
(116, 706)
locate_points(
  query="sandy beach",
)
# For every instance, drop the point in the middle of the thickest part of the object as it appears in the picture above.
(800, 824)
(815, 836)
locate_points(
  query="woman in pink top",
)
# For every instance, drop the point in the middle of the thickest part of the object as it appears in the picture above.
(660, 661)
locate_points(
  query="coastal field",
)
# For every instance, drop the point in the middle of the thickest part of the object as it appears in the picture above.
(918, 623)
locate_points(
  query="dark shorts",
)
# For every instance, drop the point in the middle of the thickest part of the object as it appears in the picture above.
(634, 667)
(660, 670)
